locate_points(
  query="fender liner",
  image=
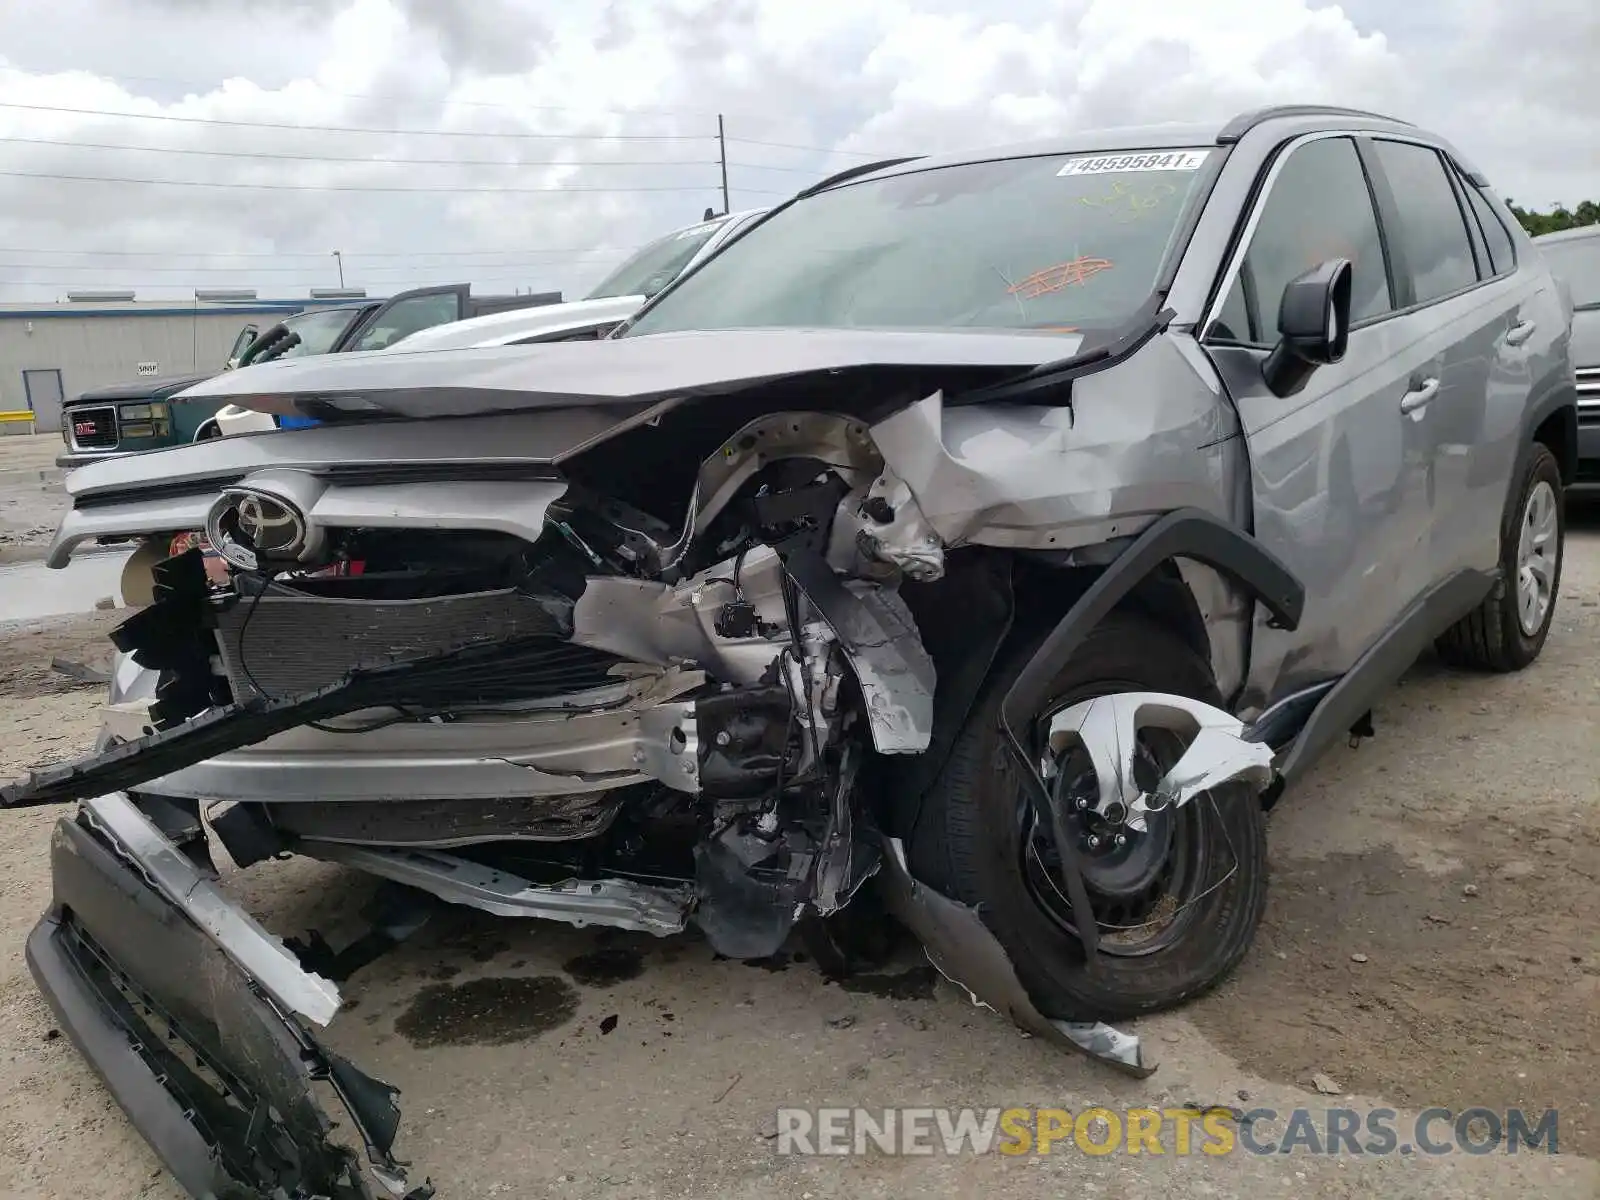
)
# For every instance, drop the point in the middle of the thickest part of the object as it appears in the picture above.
(1184, 533)
(1558, 395)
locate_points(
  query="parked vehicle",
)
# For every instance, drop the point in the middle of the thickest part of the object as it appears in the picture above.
(1574, 256)
(146, 414)
(1015, 563)
(647, 272)
(127, 418)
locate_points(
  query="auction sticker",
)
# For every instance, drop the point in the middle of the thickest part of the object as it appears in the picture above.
(1148, 160)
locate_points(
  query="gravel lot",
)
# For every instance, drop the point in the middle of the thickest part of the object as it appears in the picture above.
(30, 494)
(1457, 854)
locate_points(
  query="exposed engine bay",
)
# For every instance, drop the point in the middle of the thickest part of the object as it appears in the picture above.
(714, 689)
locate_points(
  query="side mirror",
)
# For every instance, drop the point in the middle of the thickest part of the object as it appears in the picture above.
(1313, 326)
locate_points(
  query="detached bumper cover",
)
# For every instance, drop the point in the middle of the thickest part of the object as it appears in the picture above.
(213, 1070)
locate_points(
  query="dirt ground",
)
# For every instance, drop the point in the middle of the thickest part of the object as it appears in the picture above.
(31, 496)
(1457, 854)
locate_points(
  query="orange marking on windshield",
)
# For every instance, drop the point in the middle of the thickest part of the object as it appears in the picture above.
(1063, 275)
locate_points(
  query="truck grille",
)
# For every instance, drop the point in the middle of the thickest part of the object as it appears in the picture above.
(93, 428)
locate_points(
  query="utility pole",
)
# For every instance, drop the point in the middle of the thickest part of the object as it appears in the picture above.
(722, 147)
(338, 257)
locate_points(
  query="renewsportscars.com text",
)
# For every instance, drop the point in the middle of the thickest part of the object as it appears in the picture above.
(1168, 1131)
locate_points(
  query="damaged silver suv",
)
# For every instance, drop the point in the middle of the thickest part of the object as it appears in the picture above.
(991, 537)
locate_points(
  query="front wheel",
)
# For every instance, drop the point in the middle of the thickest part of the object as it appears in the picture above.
(1176, 906)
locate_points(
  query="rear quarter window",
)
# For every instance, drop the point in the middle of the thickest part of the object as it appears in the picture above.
(1502, 252)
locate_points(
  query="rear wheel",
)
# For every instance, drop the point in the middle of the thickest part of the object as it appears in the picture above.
(1176, 906)
(1507, 631)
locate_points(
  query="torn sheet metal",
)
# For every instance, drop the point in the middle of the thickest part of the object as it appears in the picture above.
(1108, 726)
(879, 636)
(618, 903)
(904, 537)
(650, 622)
(959, 944)
(81, 672)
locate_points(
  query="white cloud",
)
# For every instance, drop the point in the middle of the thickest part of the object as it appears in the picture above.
(562, 87)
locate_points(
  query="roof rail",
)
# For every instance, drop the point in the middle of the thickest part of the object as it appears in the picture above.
(1245, 122)
(854, 172)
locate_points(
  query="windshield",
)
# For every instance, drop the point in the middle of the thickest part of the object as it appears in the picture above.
(658, 264)
(318, 330)
(1577, 261)
(1056, 243)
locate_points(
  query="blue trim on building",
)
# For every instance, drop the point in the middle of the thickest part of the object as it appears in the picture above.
(211, 308)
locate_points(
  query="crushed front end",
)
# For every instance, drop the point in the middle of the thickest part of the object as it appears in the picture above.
(640, 666)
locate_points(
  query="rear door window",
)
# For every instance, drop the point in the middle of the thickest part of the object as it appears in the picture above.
(1431, 231)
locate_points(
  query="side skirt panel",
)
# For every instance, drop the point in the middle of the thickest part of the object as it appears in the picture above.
(1381, 667)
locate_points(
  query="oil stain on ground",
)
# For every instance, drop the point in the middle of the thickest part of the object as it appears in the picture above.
(916, 984)
(496, 1011)
(606, 966)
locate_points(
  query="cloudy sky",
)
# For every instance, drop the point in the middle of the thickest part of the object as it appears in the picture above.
(531, 143)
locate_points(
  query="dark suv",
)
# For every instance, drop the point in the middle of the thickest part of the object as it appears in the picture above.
(1574, 257)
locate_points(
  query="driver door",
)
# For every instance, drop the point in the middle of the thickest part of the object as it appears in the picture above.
(1338, 471)
(405, 314)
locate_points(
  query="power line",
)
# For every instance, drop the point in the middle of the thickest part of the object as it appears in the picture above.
(466, 133)
(816, 149)
(366, 188)
(213, 84)
(317, 254)
(409, 281)
(409, 162)
(458, 133)
(335, 158)
(100, 268)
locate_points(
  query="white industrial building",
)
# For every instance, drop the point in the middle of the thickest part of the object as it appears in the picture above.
(49, 352)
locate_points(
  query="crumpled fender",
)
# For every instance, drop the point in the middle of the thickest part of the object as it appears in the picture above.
(962, 949)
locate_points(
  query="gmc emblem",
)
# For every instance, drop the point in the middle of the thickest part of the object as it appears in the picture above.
(84, 428)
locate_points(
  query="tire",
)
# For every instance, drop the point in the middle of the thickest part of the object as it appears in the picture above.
(1493, 636)
(977, 839)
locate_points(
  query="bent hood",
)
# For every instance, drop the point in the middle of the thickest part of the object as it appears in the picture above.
(609, 372)
(488, 416)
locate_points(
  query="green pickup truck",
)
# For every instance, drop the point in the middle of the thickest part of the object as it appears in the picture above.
(126, 418)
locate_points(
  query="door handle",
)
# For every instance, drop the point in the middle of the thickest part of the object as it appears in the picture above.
(1520, 333)
(1418, 397)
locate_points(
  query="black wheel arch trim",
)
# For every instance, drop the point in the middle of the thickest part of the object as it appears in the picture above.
(1557, 396)
(1184, 533)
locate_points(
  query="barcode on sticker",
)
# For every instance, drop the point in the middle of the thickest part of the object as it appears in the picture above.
(1150, 160)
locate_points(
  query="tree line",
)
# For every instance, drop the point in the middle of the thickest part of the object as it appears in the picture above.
(1560, 217)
